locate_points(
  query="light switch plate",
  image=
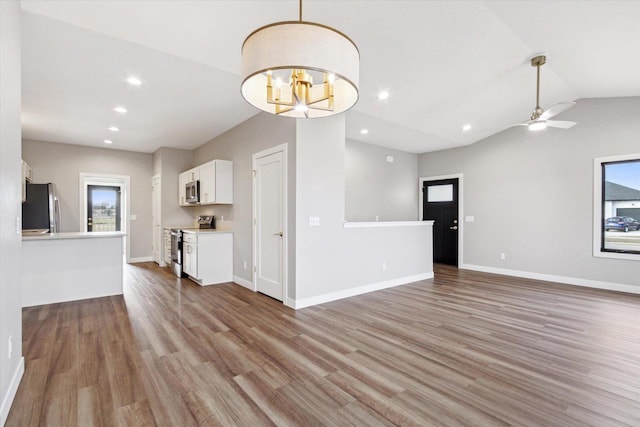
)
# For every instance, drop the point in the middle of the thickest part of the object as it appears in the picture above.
(133, 217)
(469, 218)
(314, 221)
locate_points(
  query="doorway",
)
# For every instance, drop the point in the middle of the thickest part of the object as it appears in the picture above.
(105, 199)
(440, 203)
(270, 222)
(103, 208)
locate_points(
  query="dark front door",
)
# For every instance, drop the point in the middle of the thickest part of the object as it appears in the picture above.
(103, 208)
(440, 204)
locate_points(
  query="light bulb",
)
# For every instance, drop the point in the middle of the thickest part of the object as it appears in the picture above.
(364, 131)
(278, 82)
(332, 78)
(134, 81)
(538, 125)
(301, 108)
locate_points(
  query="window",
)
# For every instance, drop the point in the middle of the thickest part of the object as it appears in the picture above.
(616, 226)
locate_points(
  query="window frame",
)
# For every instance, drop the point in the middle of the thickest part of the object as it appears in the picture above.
(598, 208)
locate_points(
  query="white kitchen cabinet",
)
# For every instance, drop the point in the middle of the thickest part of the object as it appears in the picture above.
(208, 256)
(194, 174)
(183, 179)
(167, 246)
(190, 259)
(216, 182)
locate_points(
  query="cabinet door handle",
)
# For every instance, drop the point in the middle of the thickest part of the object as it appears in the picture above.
(279, 234)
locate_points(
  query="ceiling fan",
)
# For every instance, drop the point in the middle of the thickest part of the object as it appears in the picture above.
(540, 118)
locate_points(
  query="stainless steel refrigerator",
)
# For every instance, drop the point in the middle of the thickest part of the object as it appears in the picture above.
(41, 211)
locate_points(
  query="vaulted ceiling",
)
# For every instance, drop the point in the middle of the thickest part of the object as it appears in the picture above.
(444, 63)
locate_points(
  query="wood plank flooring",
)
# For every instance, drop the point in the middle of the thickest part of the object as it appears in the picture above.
(464, 348)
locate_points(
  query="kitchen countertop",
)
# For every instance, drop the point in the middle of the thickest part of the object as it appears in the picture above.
(74, 235)
(204, 230)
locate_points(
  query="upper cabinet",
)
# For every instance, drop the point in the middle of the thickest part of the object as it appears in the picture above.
(216, 183)
(27, 175)
(183, 179)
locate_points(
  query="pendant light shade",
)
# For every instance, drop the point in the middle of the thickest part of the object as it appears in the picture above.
(300, 69)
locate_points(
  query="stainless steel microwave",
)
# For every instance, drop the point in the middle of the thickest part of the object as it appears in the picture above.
(193, 192)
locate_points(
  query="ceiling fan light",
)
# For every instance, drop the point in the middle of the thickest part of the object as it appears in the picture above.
(537, 125)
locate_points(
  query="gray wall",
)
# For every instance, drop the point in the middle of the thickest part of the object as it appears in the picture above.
(238, 145)
(375, 187)
(329, 258)
(531, 193)
(10, 201)
(168, 163)
(62, 164)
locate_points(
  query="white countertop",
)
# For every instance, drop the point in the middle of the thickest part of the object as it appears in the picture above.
(204, 230)
(74, 235)
(378, 224)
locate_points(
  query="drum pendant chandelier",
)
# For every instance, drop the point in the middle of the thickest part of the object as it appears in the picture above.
(300, 69)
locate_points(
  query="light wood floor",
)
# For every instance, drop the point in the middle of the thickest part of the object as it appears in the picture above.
(462, 349)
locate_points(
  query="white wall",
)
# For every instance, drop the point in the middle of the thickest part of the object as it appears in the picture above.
(62, 164)
(10, 201)
(375, 187)
(332, 261)
(238, 145)
(531, 193)
(168, 163)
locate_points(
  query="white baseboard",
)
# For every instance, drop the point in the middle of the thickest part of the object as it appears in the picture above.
(7, 400)
(333, 296)
(140, 259)
(610, 286)
(243, 282)
(290, 302)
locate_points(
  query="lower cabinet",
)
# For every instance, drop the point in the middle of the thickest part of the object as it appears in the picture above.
(167, 246)
(208, 257)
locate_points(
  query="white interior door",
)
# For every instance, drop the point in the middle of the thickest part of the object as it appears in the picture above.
(157, 227)
(270, 223)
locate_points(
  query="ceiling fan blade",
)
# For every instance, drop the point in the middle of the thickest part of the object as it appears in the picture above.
(560, 124)
(556, 109)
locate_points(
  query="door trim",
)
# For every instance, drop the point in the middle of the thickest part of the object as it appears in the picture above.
(283, 148)
(124, 182)
(461, 221)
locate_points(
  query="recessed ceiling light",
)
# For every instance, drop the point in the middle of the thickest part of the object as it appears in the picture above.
(113, 129)
(121, 110)
(383, 94)
(466, 127)
(134, 81)
(364, 131)
(108, 141)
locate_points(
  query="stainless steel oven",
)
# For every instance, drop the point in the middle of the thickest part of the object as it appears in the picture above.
(176, 251)
(193, 192)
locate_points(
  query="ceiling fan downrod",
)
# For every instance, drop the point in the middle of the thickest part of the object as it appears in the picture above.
(537, 61)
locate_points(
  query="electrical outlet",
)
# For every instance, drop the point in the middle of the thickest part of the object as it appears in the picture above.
(503, 256)
(377, 218)
(222, 220)
(245, 265)
(10, 346)
(384, 266)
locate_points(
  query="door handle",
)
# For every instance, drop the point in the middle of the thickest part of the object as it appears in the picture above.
(279, 234)
(455, 227)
